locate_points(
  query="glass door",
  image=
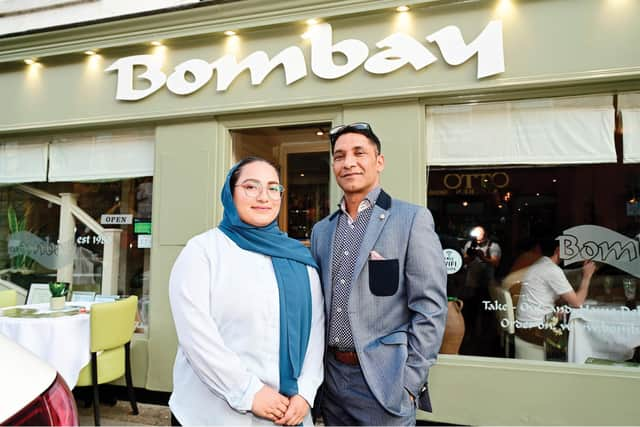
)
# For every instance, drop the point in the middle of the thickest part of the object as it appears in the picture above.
(307, 192)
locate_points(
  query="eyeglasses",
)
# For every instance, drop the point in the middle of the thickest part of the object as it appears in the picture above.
(254, 188)
(359, 127)
(335, 132)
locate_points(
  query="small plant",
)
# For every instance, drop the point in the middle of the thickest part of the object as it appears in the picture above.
(20, 262)
(59, 289)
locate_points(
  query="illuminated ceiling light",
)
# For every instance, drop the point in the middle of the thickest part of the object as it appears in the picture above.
(302, 174)
(554, 180)
(504, 7)
(229, 33)
(402, 9)
(90, 52)
(320, 132)
(29, 61)
(312, 21)
(156, 43)
(465, 203)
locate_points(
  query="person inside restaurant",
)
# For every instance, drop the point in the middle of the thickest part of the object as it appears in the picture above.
(481, 256)
(543, 283)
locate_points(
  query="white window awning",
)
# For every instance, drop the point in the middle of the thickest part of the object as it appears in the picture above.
(100, 156)
(629, 106)
(23, 161)
(574, 130)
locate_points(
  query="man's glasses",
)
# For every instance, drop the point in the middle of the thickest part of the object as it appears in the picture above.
(254, 188)
(359, 127)
(335, 132)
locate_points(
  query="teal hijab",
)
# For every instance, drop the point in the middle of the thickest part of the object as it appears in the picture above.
(290, 259)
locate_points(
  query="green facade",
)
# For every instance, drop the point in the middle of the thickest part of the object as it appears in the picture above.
(551, 47)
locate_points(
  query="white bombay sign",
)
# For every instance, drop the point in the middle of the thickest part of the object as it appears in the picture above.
(398, 50)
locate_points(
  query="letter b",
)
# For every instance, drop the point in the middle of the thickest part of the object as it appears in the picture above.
(125, 90)
(322, 52)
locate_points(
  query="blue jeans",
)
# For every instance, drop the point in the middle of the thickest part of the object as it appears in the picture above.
(348, 401)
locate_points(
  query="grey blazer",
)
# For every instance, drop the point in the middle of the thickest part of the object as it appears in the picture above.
(397, 306)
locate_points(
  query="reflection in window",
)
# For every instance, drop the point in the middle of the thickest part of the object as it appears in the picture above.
(77, 208)
(592, 209)
(31, 250)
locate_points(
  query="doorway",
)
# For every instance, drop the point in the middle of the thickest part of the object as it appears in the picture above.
(301, 153)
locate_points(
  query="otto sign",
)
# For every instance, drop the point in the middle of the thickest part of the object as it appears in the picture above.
(398, 50)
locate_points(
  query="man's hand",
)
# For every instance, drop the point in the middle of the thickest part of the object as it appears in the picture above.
(268, 403)
(588, 268)
(298, 408)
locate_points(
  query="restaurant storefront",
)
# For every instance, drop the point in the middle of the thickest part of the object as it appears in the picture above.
(520, 116)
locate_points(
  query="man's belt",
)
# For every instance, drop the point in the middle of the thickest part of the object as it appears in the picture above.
(346, 357)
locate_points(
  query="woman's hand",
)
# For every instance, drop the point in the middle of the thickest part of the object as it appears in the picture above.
(298, 409)
(268, 403)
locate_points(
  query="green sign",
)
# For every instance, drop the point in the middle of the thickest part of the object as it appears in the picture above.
(141, 226)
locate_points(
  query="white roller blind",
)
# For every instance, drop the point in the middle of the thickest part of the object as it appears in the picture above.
(540, 131)
(24, 161)
(109, 155)
(629, 105)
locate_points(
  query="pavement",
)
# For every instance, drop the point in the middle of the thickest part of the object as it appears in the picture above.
(120, 414)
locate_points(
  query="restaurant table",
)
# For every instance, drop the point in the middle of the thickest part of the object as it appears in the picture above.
(59, 337)
(603, 331)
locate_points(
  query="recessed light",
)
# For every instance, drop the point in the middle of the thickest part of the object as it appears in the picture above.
(156, 43)
(229, 33)
(312, 21)
(319, 133)
(90, 52)
(402, 8)
(29, 61)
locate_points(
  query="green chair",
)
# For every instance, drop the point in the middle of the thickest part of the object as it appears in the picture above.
(8, 298)
(112, 326)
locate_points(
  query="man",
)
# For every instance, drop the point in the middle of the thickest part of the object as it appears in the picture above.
(543, 283)
(482, 257)
(384, 281)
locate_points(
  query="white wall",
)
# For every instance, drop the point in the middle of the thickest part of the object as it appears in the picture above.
(17, 16)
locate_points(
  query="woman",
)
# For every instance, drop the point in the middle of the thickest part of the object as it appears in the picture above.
(248, 310)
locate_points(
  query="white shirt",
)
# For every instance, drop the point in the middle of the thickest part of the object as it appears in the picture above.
(225, 305)
(543, 283)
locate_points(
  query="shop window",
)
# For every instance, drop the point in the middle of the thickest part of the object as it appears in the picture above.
(591, 209)
(82, 214)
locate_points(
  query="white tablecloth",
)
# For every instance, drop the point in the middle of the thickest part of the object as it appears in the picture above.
(63, 342)
(607, 333)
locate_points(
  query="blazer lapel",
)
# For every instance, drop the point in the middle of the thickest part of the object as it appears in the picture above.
(378, 219)
(326, 255)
